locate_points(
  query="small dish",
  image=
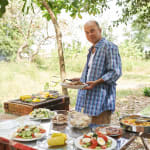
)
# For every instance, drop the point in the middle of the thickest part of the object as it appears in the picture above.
(112, 130)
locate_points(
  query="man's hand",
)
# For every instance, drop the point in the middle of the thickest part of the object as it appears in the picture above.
(91, 85)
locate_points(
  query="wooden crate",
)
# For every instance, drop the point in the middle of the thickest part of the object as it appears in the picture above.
(19, 107)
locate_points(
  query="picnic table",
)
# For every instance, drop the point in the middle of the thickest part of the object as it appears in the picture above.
(122, 142)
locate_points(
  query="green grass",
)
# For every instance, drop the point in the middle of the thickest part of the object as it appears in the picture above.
(131, 92)
(137, 77)
(146, 111)
(1, 108)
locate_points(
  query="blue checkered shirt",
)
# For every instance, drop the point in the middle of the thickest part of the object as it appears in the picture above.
(106, 65)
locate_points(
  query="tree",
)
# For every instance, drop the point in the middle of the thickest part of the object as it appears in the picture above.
(19, 32)
(136, 10)
(10, 39)
(141, 36)
(3, 4)
(51, 9)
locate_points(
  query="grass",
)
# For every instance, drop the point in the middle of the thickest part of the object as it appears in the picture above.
(146, 111)
(123, 93)
(18, 79)
(1, 108)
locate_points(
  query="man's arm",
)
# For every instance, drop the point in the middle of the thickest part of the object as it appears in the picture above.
(113, 67)
(92, 84)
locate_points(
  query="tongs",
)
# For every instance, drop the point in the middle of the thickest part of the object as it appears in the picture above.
(70, 80)
(142, 120)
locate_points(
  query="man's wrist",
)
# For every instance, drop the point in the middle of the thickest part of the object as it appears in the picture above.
(99, 81)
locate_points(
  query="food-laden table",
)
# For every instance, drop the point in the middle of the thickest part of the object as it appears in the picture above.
(22, 107)
(8, 127)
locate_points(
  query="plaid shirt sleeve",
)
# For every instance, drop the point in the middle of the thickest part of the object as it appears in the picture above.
(113, 64)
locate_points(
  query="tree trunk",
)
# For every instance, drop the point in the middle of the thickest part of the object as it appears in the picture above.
(20, 50)
(59, 44)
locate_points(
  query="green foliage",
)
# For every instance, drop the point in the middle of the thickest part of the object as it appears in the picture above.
(74, 52)
(137, 10)
(130, 52)
(3, 4)
(27, 5)
(10, 39)
(129, 49)
(147, 91)
(140, 36)
(75, 7)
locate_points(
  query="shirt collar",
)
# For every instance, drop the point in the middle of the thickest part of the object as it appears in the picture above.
(97, 44)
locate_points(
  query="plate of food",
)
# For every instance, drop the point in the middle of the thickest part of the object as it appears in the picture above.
(135, 123)
(95, 141)
(42, 113)
(40, 97)
(60, 119)
(111, 130)
(74, 84)
(28, 133)
(79, 120)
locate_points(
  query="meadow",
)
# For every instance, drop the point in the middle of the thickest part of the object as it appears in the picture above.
(23, 78)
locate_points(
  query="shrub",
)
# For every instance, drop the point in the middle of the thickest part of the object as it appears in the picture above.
(147, 91)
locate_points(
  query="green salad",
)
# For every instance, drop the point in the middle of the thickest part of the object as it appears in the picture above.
(29, 132)
(42, 113)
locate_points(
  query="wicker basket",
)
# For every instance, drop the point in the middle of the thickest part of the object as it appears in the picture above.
(19, 107)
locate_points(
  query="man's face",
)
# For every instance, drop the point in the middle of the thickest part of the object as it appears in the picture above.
(93, 33)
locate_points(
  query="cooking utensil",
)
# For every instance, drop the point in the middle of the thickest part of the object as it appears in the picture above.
(141, 121)
(69, 80)
(136, 128)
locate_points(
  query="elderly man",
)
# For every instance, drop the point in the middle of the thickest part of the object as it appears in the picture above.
(102, 70)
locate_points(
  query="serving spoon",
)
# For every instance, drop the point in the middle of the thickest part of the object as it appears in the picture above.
(141, 120)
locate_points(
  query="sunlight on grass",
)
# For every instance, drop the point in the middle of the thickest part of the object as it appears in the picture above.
(127, 92)
(146, 111)
(137, 77)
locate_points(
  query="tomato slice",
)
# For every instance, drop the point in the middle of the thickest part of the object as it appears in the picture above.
(42, 130)
(99, 134)
(33, 136)
(104, 147)
(86, 136)
(92, 146)
(18, 136)
(94, 142)
(105, 138)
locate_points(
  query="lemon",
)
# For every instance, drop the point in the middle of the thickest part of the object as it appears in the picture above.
(36, 100)
(24, 97)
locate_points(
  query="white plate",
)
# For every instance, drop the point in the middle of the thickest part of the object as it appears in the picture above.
(113, 146)
(39, 118)
(36, 118)
(26, 140)
(60, 123)
(65, 85)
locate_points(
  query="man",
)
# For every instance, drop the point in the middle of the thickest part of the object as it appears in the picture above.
(102, 70)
